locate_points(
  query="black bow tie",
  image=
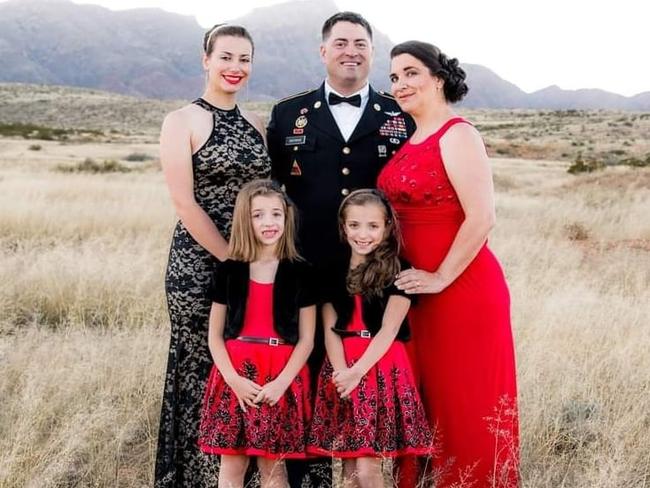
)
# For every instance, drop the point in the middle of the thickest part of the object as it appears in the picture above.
(334, 99)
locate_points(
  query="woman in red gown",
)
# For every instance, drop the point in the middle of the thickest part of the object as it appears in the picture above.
(462, 349)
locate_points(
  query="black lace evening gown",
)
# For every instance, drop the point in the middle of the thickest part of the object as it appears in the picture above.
(233, 155)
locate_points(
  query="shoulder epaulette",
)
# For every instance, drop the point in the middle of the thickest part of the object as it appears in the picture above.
(385, 95)
(296, 95)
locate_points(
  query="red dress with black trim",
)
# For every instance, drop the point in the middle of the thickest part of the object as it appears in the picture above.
(461, 338)
(383, 415)
(278, 431)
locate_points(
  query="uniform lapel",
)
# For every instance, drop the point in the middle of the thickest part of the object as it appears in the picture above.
(371, 119)
(320, 115)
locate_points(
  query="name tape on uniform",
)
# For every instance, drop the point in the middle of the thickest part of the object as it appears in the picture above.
(295, 140)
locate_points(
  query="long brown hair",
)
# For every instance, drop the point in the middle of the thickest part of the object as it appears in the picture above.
(243, 245)
(382, 264)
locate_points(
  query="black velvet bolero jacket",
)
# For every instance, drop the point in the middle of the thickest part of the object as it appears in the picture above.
(292, 290)
(373, 307)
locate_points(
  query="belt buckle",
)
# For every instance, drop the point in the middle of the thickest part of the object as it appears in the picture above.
(365, 334)
(274, 341)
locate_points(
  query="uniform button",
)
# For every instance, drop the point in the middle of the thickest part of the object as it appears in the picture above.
(346, 150)
(392, 152)
(345, 171)
(345, 192)
(295, 148)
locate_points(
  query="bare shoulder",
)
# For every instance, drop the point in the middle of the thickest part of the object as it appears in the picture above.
(462, 135)
(462, 132)
(187, 119)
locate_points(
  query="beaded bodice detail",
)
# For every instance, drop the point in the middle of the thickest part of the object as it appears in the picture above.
(416, 175)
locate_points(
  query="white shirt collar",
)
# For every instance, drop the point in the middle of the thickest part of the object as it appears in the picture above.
(364, 92)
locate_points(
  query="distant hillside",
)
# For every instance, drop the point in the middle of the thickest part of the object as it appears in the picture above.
(153, 53)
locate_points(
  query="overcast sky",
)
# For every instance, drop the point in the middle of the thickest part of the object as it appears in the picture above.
(533, 44)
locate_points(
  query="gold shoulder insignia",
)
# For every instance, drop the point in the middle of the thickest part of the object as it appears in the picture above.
(296, 95)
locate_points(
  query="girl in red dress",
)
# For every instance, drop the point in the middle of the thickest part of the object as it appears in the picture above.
(462, 348)
(367, 405)
(261, 332)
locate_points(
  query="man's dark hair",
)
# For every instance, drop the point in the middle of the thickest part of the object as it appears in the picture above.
(351, 17)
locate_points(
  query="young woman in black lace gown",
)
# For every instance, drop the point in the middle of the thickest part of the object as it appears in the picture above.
(209, 149)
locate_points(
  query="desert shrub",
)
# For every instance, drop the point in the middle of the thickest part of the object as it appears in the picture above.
(581, 165)
(89, 165)
(576, 231)
(636, 162)
(136, 156)
(35, 147)
(33, 131)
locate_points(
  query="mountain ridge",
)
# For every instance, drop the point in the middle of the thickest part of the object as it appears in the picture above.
(149, 52)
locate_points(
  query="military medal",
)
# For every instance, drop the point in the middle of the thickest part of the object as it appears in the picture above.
(295, 169)
(301, 122)
(395, 127)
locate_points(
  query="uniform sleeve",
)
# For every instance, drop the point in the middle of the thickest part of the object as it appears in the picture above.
(217, 292)
(279, 170)
(308, 294)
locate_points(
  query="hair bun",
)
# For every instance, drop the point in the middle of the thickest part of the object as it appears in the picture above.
(454, 76)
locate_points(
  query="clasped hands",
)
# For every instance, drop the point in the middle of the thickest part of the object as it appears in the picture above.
(251, 394)
(414, 281)
(346, 380)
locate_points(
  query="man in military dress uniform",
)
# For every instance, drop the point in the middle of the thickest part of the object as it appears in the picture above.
(326, 142)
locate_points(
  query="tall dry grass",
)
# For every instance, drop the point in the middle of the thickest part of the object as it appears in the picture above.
(84, 332)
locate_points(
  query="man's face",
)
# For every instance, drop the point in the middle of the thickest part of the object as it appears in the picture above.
(347, 55)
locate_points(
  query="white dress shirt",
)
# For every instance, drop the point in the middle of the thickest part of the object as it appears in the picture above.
(347, 116)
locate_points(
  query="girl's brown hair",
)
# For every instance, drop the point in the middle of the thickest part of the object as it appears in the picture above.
(382, 264)
(243, 245)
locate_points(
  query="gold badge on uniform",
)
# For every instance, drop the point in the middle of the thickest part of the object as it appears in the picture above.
(301, 122)
(295, 169)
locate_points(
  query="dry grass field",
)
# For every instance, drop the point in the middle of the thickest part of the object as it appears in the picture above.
(84, 329)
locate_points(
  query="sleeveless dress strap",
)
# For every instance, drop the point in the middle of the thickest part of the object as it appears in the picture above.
(203, 104)
(450, 123)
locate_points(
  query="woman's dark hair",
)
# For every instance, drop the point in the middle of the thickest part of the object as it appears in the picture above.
(439, 65)
(382, 264)
(351, 17)
(221, 30)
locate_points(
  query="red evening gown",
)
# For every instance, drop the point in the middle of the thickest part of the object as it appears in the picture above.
(275, 432)
(461, 347)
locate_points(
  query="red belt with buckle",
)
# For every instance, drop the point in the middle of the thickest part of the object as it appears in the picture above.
(271, 341)
(353, 333)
